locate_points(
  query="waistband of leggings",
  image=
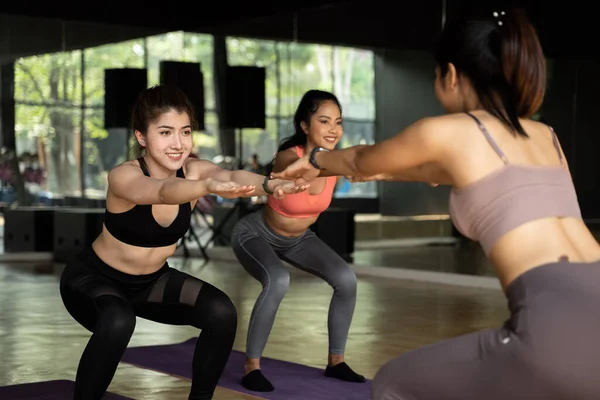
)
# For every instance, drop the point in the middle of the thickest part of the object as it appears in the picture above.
(558, 277)
(256, 221)
(91, 258)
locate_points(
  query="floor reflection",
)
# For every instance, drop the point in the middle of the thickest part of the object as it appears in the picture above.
(39, 340)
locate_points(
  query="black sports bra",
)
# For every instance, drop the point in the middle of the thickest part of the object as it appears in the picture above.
(138, 227)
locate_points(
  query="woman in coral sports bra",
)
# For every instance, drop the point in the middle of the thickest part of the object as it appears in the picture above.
(280, 231)
(512, 192)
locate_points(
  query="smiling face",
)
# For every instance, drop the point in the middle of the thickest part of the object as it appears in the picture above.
(325, 128)
(168, 140)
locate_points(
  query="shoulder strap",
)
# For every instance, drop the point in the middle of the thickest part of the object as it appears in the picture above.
(143, 166)
(556, 145)
(489, 138)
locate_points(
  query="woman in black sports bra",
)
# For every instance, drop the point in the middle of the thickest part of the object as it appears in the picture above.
(124, 274)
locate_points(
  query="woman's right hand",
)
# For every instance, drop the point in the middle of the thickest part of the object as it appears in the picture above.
(228, 190)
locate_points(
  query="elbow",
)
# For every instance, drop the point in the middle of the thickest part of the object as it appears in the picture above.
(358, 166)
(163, 194)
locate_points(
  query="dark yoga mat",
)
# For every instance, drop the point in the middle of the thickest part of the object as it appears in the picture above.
(291, 381)
(50, 390)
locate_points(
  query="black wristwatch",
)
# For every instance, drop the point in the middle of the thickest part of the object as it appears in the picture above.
(311, 158)
(265, 185)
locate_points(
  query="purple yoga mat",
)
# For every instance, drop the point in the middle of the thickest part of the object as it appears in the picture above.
(291, 381)
(49, 390)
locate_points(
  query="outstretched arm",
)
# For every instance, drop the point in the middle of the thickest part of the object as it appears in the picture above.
(206, 169)
(400, 157)
(285, 158)
(127, 182)
(426, 173)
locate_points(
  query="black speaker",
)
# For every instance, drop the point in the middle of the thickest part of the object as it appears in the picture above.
(28, 229)
(75, 229)
(245, 97)
(336, 227)
(188, 77)
(121, 89)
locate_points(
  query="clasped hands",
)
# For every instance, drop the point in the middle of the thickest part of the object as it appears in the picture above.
(232, 190)
(302, 172)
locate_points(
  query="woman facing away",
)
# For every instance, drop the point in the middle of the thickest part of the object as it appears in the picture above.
(280, 231)
(512, 192)
(124, 274)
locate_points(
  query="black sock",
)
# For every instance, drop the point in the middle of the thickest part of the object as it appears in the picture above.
(256, 381)
(344, 372)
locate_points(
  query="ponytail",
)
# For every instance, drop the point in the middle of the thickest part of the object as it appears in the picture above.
(503, 59)
(523, 63)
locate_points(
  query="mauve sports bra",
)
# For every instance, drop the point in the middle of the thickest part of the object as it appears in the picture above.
(513, 195)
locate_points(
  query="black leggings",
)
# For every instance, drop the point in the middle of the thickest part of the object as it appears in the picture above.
(106, 302)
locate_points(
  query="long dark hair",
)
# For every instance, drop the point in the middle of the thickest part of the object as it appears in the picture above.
(310, 103)
(503, 59)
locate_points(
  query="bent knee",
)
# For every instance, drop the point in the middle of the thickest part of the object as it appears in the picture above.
(278, 282)
(345, 280)
(222, 313)
(116, 320)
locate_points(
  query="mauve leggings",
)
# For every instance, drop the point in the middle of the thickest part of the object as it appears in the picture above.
(549, 349)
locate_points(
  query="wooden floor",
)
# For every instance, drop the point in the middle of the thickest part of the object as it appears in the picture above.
(39, 341)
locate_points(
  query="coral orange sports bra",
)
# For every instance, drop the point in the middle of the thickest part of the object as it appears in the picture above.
(304, 204)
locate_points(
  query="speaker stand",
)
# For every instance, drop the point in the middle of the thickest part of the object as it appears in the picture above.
(240, 148)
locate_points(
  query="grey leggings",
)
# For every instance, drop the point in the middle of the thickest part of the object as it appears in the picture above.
(260, 250)
(548, 350)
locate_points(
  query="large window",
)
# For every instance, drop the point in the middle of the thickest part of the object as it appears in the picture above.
(292, 69)
(60, 101)
(259, 53)
(48, 117)
(104, 148)
(353, 77)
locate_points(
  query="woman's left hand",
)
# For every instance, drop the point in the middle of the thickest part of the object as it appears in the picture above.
(283, 188)
(378, 177)
(300, 170)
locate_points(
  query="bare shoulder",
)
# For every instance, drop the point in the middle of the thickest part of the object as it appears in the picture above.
(537, 127)
(440, 132)
(196, 168)
(284, 158)
(124, 169)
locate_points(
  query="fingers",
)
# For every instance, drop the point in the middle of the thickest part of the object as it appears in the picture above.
(301, 182)
(279, 175)
(290, 189)
(246, 188)
(280, 192)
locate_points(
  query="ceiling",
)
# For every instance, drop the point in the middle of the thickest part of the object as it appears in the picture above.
(566, 29)
(183, 15)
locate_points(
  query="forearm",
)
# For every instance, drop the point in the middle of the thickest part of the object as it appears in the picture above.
(344, 162)
(180, 191)
(250, 178)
